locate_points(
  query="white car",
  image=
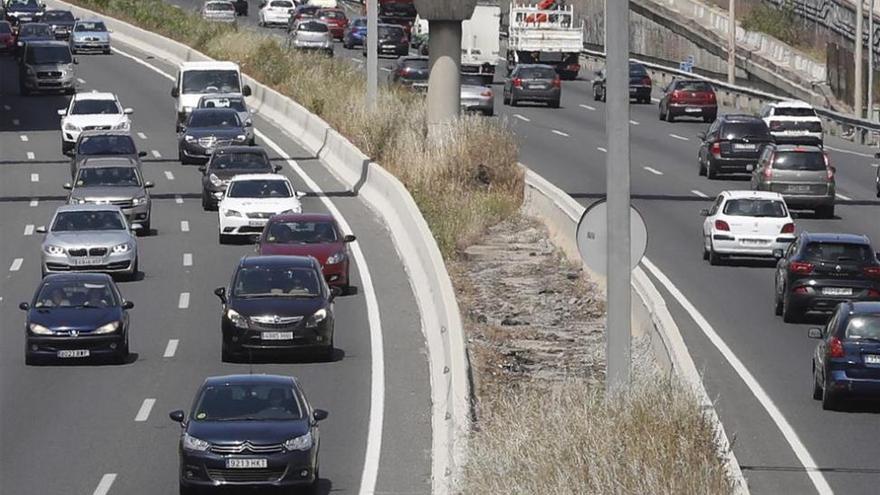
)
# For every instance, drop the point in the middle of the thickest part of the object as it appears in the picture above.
(746, 223)
(793, 122)
(91, 111)
(275, 13)
(251, 199)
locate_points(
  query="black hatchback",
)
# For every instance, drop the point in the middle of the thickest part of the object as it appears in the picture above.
(227, 162)
(819, 271)
(255, 431)
(277, 304)
(732, 145)
(412, 72)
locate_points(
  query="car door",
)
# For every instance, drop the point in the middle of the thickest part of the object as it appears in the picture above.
(828, 331)
(758, 172)
(710, 220)
(782, 265)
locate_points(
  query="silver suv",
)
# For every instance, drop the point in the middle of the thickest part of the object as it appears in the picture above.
(46, 66)
(117, 181)
(802, 174)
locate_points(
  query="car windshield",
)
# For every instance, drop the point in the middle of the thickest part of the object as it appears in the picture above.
(282, 4)
(73, 221)
(90, 27)
(738, 130)
(106, 145)
(247, 402)
(240, 161)
(259, 189)
(537, 73)
(5, 28)
(48, 55)
(755, 208)
(214, 119)
(837, 251)
(24, 3)
(75, 294)
(399, 9)
(794, 112)
(314, 27)
(390, 32)
(276, 281)
(92, 107)
(294, 232)
(58, 15)
(864, 327)
(799, 160)
(236, 104)
(35, 30)
(695, 86)
(219, 7)
(107, 176)
(211, 81)
(359, 22)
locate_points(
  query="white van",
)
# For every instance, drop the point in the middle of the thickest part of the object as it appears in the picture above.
(196, 79)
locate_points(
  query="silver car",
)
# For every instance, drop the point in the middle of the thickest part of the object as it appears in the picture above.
(115, 181)
(802, 174)
(90, 35)
(218, 11)
(92, 238)
(475, 96)
(311, 34)
(235, 102)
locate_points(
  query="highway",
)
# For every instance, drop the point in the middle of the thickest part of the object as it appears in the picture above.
(91, 428)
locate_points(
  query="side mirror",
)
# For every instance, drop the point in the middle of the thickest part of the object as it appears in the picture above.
(127, 305)
(814, 333)
(128, 111)
(67, 186)
(320, 415)
(62, 112)
(221, 293)
(704, 212)
(175, 92)
(142, 154)
(833, 169)
(177, 416)
(20, 44)
(246, 90)
(778, 254)
(137, 227)
(41, 229)
(701, 135)
(877, 155)
(24, 306)
(750, 168)
(335, 292)
(203, 169)
(349, 238)
(277, 168)
(300, 194)
(877, 254)
(149, 185)
(248, 123)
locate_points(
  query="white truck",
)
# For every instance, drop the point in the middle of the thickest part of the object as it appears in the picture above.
(545, 33)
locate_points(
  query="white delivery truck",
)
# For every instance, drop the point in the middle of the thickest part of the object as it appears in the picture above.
(545, 33)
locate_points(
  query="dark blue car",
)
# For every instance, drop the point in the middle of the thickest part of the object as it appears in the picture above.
(846, 362)
(356, 33)
(75, 316)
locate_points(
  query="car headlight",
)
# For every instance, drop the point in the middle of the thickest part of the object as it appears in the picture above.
(121, 248)
(187, 110)
(319, 316)
(30, 71)
(140, 200)
(64, 72)
(336, 258)
(240, 137)
(188, 138)
(215, 181)
(108, 328)
(192, 443)
(303, 442)
(231, 213)
(236, 319)
(70, 127)
(52, 249)
(123, 126)
(40, 329)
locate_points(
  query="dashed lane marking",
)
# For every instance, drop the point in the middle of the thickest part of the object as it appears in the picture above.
(31, 155)
(699, 193)
(559, 133)
(680, 138)
(184, 226)
(35, 177)
(178, 200)
(142, 135)
(171, 348)
(29, 229)
(169, 175)
(520, 117)
(183, 300)
(156, 154)
(144, 412)
(588, 107)
(24, 138)
(16, 264)
(843, 197)
(34, 202)
(633, 122)
(603, 150)
(653, 170)
(105, 484)
(16, 122)
(187, 259)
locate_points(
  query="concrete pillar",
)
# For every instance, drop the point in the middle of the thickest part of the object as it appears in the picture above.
(444, 93)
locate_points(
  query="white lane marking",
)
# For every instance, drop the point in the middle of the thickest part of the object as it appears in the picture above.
(676, 136)
(35, 177)
(156, 154)
(187, 259)
(16, 122)
(588, 107)
(24, 138)
(356, 60)
(16, 265)
(699, 193)
(520, 117)
(34, 202)
(843, 197)
(178, 199)
(386, 69)
(377, 362)
(655, 100)
(144, 412)
(105, 484)
(775, 414)
(169, 175)
(142, 135)
(183, 300)
(848, 152)
(653, 170)
(81, 81)
(603, 150)
(875, 165)
(29, 229)
(559, 133)
(184, 226)
(31, 155)
(633, 122)
(171, 348)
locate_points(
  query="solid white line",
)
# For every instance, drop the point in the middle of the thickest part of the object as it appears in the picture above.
(24, 138)
(16, 265)
(520, 117)
(655, 100)
(144, 412)
(105, 484)
(169, 175)
(763, 398)
(31, 155)
(588, 107)
(603, 150)
(35, 177)
(34, 202)
(633, 122)
(699, 193)
(16, 122)
(29, 229)
(178, 199)
(676, 136)
(848, 152)
(184, 226)
(843, 197)
(171, 348)
(183, 301)
(142, 135)
(653, 170)
(156, 154)
(187, 259)
(356, 60)
(559, 133)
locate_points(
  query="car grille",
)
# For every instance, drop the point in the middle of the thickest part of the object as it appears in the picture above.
(247, 447)
(48, 75)
(246, 475)
(91, 39)
(98, 251)
(97, 128)
(269, 322)
(122, 203)
(261, 214)
(213, 142)
(95, 251)
(77, 252)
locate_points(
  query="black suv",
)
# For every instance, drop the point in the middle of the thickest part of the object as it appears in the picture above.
(819, 271)
(227, 162)
(732, 143)
(640, 84)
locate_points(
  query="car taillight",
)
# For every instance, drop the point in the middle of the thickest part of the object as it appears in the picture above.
(674, 96)
(835, 348)
(646, 81)
(721, 225)
(800, 267)
(872, 271)
(715, 149)
(829, 170)
(711, 97)
(874, 293)
(557, 83)
(788, 228)
(517, 82)
(488, 93)
(768, 172)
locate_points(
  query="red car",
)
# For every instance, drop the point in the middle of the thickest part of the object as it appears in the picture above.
(310, 234)
(7, 37)
(336, 20)
(689, 98)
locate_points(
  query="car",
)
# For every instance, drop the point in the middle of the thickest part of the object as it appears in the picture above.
(688, 98)
(205, 130)
(275, 12)
(277, 304)
(311, 234)
(324, 4)
(533, 83)
(19, 12)
(61, 21)
(74, 316)
(241, 7)
(877, 177)
(116, 181)
(335, 20)
(219, 11)
(251, 200)
(311, 35)
(235, 102)
(403, 23)
(7, 38)
(846, 360)
(257, 431)
(225, 163)
(89, 112)
(46, 66)
(746, 223)
(802, 174)
(411, 71)
(93, 238)
(793, 122)
(732, 144)
(392, 41)
(90, 35)
(640, 84)
(356, 33)
(301, 13)
(33, 31)
(819, 271)
(197, 79)
(103, 143)
(476, 96)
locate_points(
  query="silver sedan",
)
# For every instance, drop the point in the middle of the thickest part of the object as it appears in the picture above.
(475, 96)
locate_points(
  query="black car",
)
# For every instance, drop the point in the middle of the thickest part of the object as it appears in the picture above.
(61, 22)
(640, 84)
(24, 11)
(74, 316)
(392, 41)
(412, 72)
(277, 304)
(227, 162)
(206, 129)
(241, 7)
(35, 31)
(93, 143)
(732, 144)
(534, 83)
(255, 431)
(819, 271)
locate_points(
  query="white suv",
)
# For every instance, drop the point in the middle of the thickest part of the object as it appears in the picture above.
(251, 199)
(91, 111)
(793, 122)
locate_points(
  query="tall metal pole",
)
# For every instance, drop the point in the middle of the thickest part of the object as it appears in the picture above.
(372, 53)
(618, 328)
(858, 99)
(731, 43)
(871, 61)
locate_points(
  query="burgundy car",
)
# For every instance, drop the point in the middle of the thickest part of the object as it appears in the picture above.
(7, 37)
(688, 98)
(335, 20)
(310, 234)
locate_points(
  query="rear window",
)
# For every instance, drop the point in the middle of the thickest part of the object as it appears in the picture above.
(799, 160)
(838, 251)
(219, 7)
(794, 112)
(313, 27)
(58, 15)
(693, 86)
(864, 327)
(391, 32)
(637, 70)
(537, 73)
(472, 80)
(740, 130)
(755, 208)
(282, 4)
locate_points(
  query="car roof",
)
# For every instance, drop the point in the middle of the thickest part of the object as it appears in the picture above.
(739, 194)
(533, 66)
(277, 260)
(413, 58)
(740, 117)
(103, 277)
(304, 217)
(89, 20)
(798, 147)
(863, 307)
(215, 109)
(210, 96)
(208, 65)
(791, 104)
(94, 95)
(254, 150)
(46, 43)
(87, 207)
(835, 237)
(36, 24)
(108, 161)
(106, 133)
(243, 177)
(250, 379)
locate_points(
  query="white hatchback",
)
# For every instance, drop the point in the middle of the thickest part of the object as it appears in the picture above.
(275, 12)
(746, 223)
(91, 111)
(251, 200)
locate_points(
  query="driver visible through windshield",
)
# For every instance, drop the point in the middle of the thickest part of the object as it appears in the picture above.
(108, 177)
(73, 221)
(210, 81)
(276, 282)
(75, 294)
(247, 403)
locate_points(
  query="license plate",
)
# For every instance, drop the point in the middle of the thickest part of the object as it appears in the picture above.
(632, 90)
(753, 242)
(798, 189)
(277, 336)
(692, 110)
(739, 146)
(538, 86)
(871, 358)
(87, 261)
(256, 223)
(836, 291)
(246, 463)
(76, 353)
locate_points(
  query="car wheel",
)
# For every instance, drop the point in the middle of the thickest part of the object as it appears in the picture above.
(788, 313)
(830, 400)
(554, 104)
(513, 101)
(711, 173)
(595, 93)
(188, 490)
(205, 202)
(826, 211)
(662, 114)
(489, 113)
(714, 258)
(23, 90)
(708, 119)
(148, 228)
(131, 277)
(817, 387)
(705, 253)
(702, 171)
(669, 116)
(108, 51)
(777, 304)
